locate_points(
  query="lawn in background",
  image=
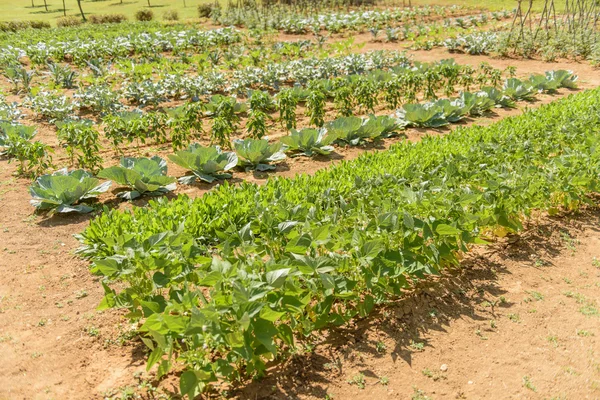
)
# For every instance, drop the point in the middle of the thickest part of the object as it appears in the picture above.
(22, 9)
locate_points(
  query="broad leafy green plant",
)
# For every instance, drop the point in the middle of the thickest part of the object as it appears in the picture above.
(500, 99)
(307, 142)
(477, 103)
(344, 128)
(355, 130)
(205, 163)
(144, 176)
(565, 79)
(551, 81)
(258, 153)
(388, 123)
(421, 115)
(518, 90)
(452, 110)
(542, 84)
(63, 190)
(229, 281)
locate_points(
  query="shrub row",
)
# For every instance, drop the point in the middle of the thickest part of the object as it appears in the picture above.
(14, 26)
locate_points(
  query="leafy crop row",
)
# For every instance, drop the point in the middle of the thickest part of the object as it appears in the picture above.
(210, 163)
(296, 23)
(80, 51)
(228, 281)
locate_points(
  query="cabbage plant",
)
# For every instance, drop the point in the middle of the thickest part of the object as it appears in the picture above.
(144, 176)
(355, 130)
(258, 153)
(307, 142)
(452, 110)
(388, 123)
(542, 84)
(477, 103)
(63, 190)
(344, 128)
(205, 163)
(551, 81)
(426, 115)
(518, 90)
(500, 99)
(565, 79)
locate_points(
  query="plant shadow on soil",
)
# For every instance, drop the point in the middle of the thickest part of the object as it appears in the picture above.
(432, 306)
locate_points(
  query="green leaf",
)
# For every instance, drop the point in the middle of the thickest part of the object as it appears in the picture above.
(190, 385)
(154, 357)
(286, 334)
(277, 278)
(160, 279)
(299, 245)
(265, 331)
(269, 314)
(366, 306)
(371, 249)
(447, 230)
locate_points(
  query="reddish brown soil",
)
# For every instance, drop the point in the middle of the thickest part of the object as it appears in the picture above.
(54, 344)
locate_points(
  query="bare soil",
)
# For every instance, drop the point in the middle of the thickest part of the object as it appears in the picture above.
(55, 345)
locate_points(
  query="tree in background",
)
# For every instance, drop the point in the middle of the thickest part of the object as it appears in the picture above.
(81, 11)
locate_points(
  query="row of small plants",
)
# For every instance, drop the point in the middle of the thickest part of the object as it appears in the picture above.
(42, 48)
(179, 84)
(246, 274)
(182, 125)
(548, 46)
(251, 52)
(149, 176)
(62, 190)
(290, 21)
(80, 51)
(424, 31)
(367, 82)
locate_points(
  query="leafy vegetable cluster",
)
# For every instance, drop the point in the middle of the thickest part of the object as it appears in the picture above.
(226, 282)
(63, 190)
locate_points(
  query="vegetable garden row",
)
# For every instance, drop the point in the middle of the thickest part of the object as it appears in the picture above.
(220, 287)
(62, 190)
(244, 274)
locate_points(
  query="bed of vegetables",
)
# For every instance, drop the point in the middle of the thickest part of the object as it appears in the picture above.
(221, 284)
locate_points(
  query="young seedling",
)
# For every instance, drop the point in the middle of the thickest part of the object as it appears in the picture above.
(417, 346)
(358, 380)
(529, 384)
